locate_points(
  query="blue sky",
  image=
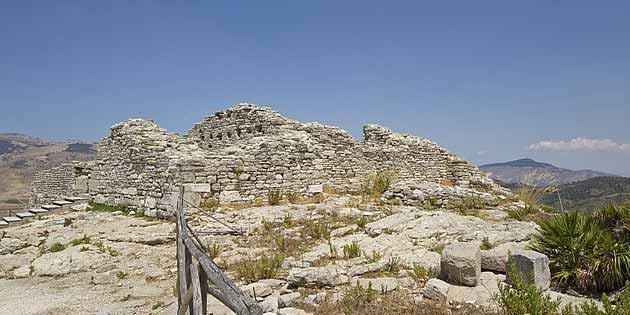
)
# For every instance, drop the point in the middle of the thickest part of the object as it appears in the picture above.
(489, 80)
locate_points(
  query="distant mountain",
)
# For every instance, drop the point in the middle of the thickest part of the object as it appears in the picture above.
(22, 155)
(537, 173)
(591, 194)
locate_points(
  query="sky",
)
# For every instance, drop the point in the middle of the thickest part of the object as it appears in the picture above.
(490, 81)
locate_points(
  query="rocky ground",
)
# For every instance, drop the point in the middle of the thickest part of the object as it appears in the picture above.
(91, 262)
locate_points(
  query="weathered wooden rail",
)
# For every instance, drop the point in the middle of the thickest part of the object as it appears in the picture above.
(195, 269)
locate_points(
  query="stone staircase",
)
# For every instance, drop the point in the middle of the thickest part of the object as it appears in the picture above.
(65, 203)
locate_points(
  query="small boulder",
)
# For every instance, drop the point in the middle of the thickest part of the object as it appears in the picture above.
(328, 276)
(436, 289)
(270, 304)
(461, 263)
(533, 266)
(286, 299)
(257, 289)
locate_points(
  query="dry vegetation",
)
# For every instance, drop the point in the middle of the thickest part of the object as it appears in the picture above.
(365, 301)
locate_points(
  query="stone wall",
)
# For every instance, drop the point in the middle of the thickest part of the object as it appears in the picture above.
(51, 184)
(242, 152)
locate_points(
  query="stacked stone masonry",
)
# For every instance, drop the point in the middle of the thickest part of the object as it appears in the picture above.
(242, 152)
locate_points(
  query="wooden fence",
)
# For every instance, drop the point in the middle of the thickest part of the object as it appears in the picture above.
(195, 268)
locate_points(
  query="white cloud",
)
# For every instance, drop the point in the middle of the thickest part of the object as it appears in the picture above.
(482, 152)
(581, 144)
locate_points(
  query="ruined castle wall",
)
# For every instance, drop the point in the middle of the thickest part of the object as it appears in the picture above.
(281, 152)
(241, 153)
(418, 159)
(52, 184)
(133, 166)
(278, 152)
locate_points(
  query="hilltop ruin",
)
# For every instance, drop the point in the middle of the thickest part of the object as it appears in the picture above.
(243, 152)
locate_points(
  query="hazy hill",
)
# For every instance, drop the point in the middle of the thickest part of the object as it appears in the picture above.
(545, 174)
(21, 156)
(591, 193)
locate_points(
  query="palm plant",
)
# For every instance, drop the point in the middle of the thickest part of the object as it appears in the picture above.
(587, 252)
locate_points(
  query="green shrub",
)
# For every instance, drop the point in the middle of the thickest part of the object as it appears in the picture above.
(375, 184)
(356, 297)
(287, 221)
(56, 247)
(362, 222)
(618, 306)
(214, 250)
(393, 265)
(101, 207)
(84, 240)
(281, 243)
(524, 298)
(157, 305)
(266, 224)
(274, 196)
(264, 267)
(590, 253)
(351, 250)
(317, 230)
(463, 205)
(376, 256)
(121, 275)
(419, 273)
(293, 197)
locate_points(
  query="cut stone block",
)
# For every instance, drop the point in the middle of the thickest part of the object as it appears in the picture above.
(3, 223)
(38, 211)
(314, 189)
(74, 199)
(496, 258)
(50, 207)
(461, 264)
(12, 219)
(533, 266)
(61, 202)
(198, 188)
(24, 215)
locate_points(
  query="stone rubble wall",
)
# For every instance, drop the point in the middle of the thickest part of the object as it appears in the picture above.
(413, 193)
(241, 153)
(52, 184)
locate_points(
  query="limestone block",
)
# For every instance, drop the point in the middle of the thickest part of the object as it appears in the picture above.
(130, 191)
(257, 289)
(534, 267)
(314, 189)
(150, 202)
(198, 188)
(229, 196)
(496, 259)
(286, 299)
(93, 185)
(436, 290)
(328, 276)
(461, 263)
(81, 184)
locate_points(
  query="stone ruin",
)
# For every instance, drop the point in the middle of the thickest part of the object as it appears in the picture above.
(240, 154)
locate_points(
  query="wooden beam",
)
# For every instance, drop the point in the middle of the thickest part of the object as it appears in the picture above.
(232, 297)
(182, 284)
(203, 280)
(197, 307)
(186, 298)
